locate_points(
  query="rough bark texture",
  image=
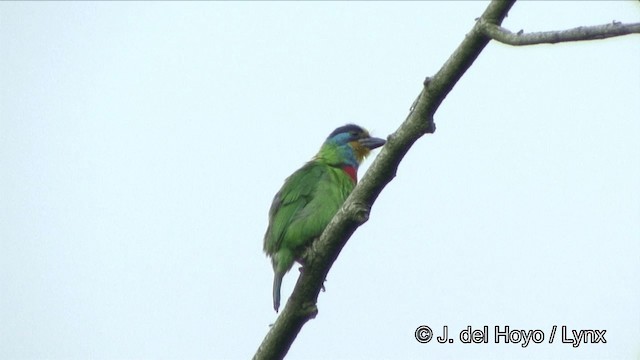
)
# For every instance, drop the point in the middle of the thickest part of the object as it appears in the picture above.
(301, 306)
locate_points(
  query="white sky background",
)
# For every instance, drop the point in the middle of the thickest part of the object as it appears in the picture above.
(141, 145)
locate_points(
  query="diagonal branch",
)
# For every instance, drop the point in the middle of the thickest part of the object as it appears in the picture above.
(581, 33)
(301, 306)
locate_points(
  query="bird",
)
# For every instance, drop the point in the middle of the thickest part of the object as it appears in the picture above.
(311, 196)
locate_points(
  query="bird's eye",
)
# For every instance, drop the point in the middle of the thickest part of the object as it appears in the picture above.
(353, 133)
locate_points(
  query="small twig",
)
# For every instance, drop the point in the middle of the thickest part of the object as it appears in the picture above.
(581, 33)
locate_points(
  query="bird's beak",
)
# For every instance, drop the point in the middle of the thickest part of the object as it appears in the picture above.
(371, 142)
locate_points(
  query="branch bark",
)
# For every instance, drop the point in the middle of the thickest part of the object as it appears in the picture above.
(581, 33)
(301, 306)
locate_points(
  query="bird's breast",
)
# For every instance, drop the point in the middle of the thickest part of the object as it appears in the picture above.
(351, 171)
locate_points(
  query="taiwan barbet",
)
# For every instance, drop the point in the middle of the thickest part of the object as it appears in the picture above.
(311, 196)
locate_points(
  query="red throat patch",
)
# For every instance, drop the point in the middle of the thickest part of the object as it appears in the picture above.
(352, 172)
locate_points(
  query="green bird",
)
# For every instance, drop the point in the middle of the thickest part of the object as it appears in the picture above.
(311, 196)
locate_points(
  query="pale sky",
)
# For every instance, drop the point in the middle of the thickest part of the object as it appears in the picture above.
(141, 145)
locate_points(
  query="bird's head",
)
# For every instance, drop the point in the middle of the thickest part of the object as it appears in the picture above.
(349, 145)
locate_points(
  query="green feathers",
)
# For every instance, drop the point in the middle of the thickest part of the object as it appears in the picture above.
(311, 196)
(300, 212)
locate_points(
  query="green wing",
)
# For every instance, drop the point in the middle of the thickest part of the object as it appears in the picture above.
(294, 195)
(301, 210)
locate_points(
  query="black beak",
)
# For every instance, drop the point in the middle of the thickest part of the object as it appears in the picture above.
(371, 142)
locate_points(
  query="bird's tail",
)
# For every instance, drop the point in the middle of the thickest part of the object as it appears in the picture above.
(277, 282)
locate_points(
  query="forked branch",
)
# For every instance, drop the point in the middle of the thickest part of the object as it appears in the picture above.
(301, 306)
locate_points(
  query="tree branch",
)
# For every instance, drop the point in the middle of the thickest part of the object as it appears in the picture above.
(301, 306)
(581, 33)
